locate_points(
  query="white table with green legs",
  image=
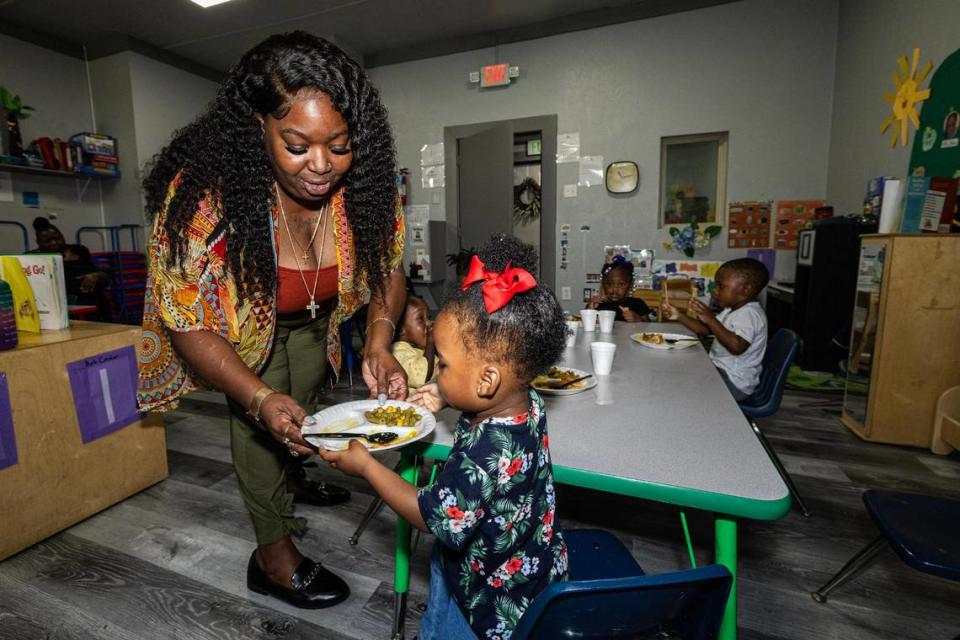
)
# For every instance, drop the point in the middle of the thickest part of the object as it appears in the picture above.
(662, 426)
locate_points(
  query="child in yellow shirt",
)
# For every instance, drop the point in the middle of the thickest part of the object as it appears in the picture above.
(413, 347)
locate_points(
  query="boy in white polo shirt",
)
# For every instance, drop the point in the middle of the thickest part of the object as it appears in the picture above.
(740, 329)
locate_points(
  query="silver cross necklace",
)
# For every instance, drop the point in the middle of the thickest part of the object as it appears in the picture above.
(313, 306)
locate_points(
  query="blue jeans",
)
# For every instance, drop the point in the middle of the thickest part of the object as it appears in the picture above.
(443, 619)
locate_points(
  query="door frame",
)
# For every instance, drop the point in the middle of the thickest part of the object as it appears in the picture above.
(547, 125)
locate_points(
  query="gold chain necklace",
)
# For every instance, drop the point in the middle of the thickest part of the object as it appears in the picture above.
(306, 252)
(313, 306)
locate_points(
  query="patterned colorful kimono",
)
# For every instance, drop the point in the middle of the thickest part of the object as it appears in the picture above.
(203, 296)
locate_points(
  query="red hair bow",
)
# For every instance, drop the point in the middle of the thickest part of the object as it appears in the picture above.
(498, 288)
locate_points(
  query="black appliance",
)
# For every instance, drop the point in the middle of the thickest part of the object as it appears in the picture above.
(825, 284)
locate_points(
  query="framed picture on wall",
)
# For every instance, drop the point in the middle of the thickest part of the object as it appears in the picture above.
(805, 247)
(693, 179)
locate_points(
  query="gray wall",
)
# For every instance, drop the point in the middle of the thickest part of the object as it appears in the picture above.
(141, 102)
(136, 99)
(56, 86)
(113, 102)
(165, 99)
(872, 35)
(762, 70)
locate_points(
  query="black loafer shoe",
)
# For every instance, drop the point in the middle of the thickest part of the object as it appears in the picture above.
(321, 494)
(313, 586)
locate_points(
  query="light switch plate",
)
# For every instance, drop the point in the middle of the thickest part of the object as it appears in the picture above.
(436, 197)
(565, 293)
(569, 191)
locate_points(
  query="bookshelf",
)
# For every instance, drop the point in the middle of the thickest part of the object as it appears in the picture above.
(78, 176)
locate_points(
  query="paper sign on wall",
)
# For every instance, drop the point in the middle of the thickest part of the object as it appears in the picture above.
(568, 147)
(792, 216)
(767, 256)
(6, 187)
(8, 441)
(748, 224)
(104, 392)
(591, 171)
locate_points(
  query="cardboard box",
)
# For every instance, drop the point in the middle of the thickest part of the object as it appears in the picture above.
(68, 448)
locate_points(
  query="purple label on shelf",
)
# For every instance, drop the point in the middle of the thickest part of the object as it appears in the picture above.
(8, 440)
(104, 392)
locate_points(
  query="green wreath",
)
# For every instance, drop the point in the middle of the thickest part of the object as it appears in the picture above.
(526, 202)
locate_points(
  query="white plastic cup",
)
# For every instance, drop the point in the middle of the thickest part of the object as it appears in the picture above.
(602, 355)
(606, 321)
(589, 317)
(572, 327)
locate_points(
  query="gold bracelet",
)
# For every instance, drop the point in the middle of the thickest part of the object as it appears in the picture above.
(385, 319)
(262, 394)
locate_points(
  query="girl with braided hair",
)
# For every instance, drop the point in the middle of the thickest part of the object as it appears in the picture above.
(275, 216)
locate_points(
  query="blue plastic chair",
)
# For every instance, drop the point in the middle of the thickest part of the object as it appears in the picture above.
(923, 530)
(608, 596)
(782, 350)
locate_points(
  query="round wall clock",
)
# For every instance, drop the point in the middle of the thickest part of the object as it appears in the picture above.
(622, 177)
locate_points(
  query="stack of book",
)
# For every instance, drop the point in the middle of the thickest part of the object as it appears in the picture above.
(95, 153)
(52, 154)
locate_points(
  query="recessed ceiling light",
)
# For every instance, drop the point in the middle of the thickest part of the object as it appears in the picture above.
(208, 3)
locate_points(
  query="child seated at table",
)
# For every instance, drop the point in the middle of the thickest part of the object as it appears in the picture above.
(413, 347)
(739, 330)
(616, 283)
(493, 506)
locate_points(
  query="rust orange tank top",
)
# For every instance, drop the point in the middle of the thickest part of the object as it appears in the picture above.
(292, 296)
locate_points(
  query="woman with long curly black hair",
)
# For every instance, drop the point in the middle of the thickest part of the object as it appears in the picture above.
(275, 215)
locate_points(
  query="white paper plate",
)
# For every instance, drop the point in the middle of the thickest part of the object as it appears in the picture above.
(589, 383)
(348, 417)
(688, 341)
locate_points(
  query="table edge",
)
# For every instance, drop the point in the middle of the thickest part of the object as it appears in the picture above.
(669, 494)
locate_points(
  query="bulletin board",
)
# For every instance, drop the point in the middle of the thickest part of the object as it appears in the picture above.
(748, 225)
(792, 216)
(701, 272)
(936, 145)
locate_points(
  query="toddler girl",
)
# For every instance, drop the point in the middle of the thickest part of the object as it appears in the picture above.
(493, 507)
(616, 283)
(413, 347)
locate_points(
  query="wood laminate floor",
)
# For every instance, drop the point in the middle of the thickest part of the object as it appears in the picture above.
(169, 563)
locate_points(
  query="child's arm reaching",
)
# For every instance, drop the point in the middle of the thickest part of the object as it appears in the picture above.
(400, 495)
(428, 396)
(670, 312)
(730, 340)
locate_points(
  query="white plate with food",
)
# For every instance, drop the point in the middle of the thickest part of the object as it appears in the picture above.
(665, 341)
(550, 383)
(365, 417)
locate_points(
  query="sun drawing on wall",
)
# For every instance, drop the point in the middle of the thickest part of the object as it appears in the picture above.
(904, 102)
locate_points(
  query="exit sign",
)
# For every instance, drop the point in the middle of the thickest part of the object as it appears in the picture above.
(494, 75)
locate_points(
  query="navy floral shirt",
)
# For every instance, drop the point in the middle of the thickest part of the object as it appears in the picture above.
(493, 510)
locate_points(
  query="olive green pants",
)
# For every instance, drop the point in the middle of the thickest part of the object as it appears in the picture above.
(297, 366)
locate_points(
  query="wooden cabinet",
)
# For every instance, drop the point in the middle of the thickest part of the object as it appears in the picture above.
(58, 465)
(905, 342)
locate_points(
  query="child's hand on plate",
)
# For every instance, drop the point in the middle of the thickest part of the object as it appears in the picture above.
(428, 396)
(352, 461)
